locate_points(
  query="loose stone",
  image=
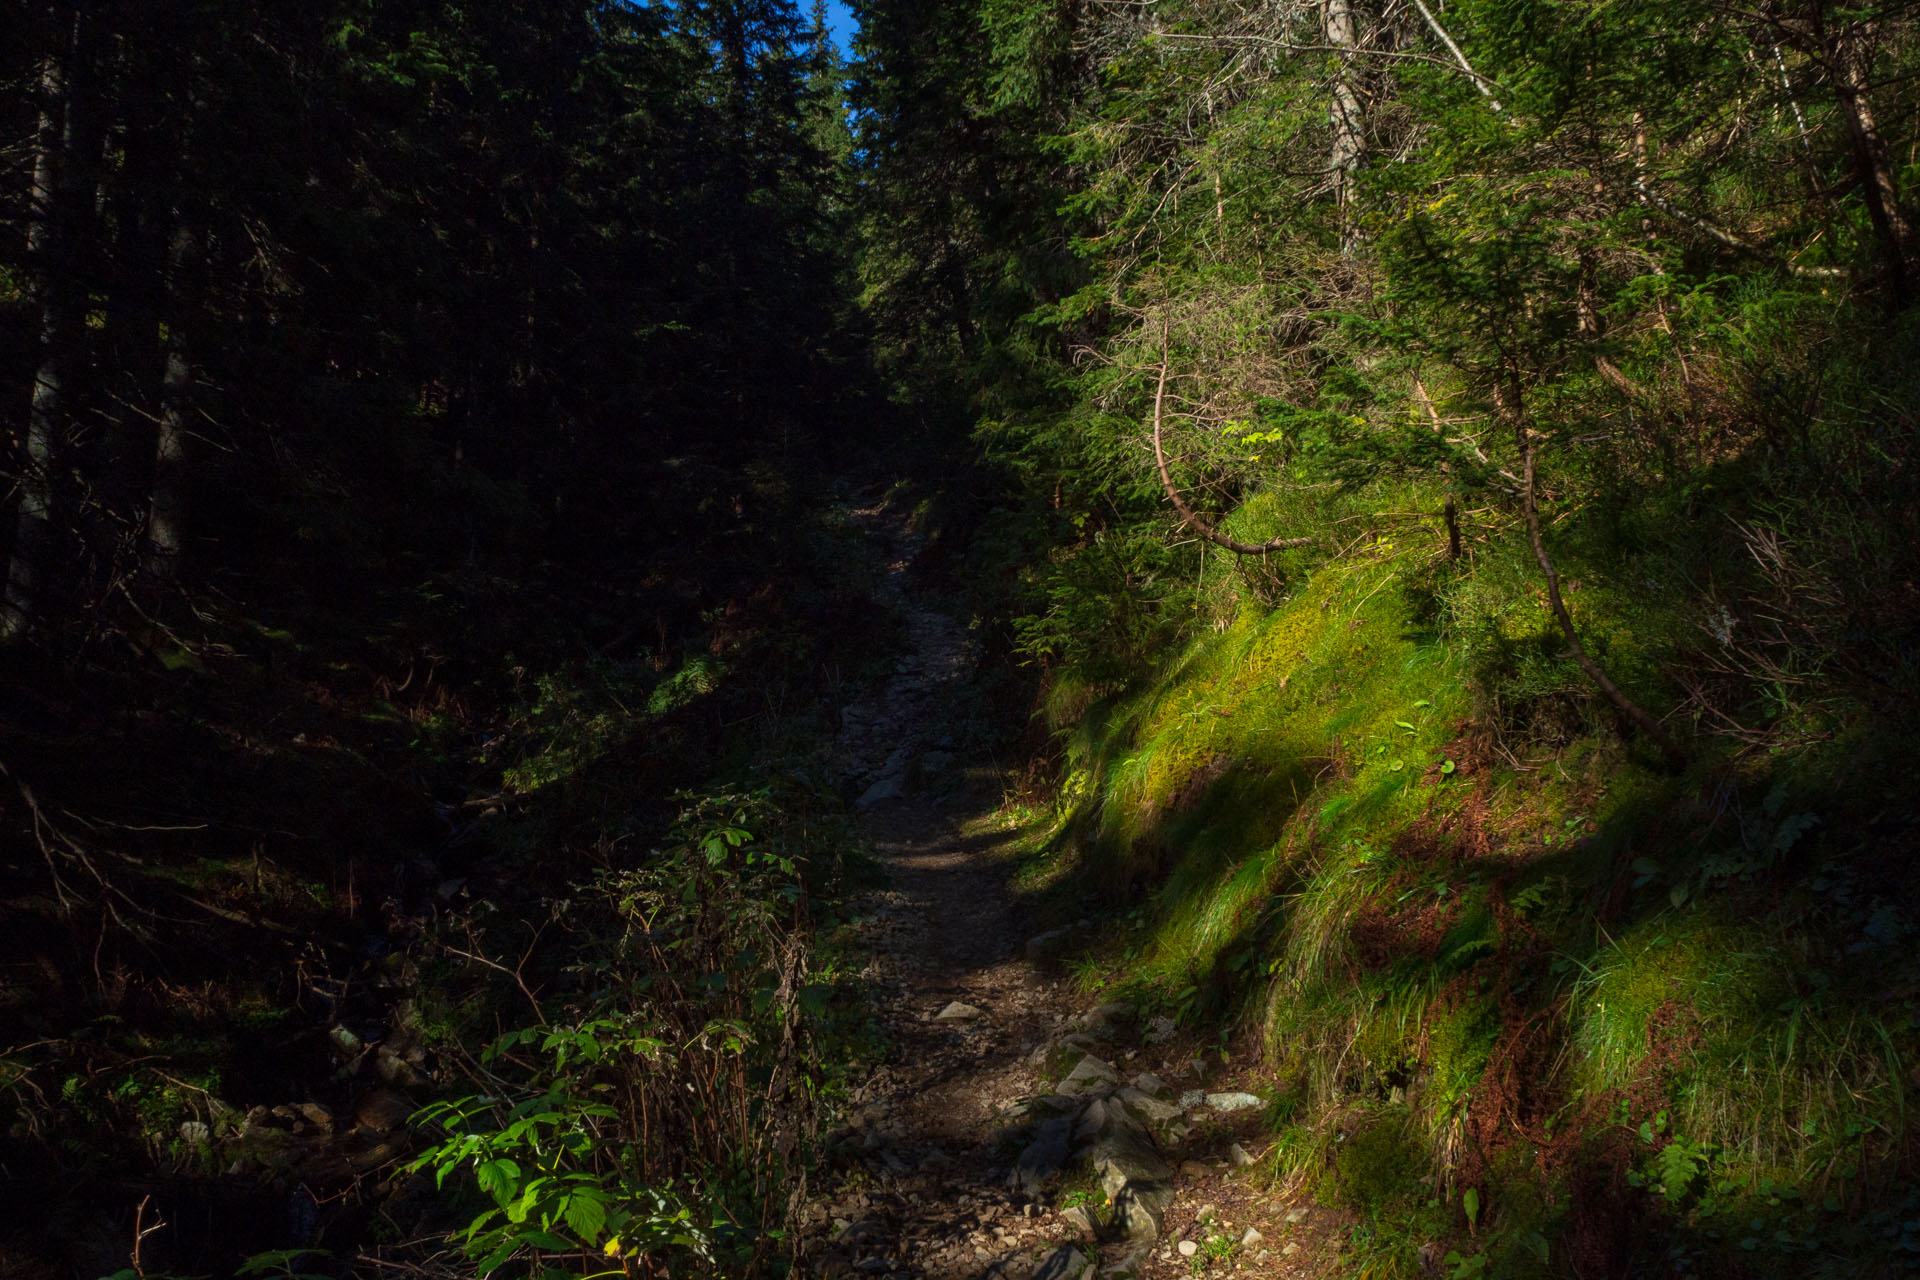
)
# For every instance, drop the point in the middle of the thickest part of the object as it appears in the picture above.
(1232, 1101)
(1151, 1085)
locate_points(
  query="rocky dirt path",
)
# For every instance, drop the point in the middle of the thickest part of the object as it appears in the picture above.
(1013, 1132)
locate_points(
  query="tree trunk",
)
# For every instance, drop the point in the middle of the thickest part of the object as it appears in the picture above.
(132, 316)
(1507, 401)
(1848, 60)
(1348, 143)
(45, 239)
(167, 513)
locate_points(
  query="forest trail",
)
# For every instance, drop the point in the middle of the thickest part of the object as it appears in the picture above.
(917, 1177)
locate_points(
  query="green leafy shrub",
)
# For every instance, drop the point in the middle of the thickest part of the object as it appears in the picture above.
(665, 1114)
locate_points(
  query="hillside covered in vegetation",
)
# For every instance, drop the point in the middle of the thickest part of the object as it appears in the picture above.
(1468, 552)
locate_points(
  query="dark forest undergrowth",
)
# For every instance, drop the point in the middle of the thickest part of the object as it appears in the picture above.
(286, 867)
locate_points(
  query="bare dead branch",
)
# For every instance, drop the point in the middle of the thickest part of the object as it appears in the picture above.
(1670, 751)
(1193, 519)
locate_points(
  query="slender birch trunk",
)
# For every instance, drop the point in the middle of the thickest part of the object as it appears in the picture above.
(1344, 112)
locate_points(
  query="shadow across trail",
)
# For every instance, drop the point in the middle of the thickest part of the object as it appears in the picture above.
(916, 1181)
(918, 1178)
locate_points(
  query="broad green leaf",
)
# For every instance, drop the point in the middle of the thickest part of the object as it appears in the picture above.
(586, 1214)
(499, 1179)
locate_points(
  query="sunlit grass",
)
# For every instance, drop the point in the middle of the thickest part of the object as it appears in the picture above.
(1329, 855)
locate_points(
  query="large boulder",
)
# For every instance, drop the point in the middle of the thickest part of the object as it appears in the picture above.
(1133, 1173)
(1065, 1263)
(1040, 1162)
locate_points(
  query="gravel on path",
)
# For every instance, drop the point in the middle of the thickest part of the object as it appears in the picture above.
(917, 1178)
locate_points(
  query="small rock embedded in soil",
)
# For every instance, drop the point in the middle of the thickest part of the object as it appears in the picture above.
(1065, 1049)
(1043, 947)
(1188, 1248)
(1296, 1216)
(1151, 1085)
(1149, 1108)
(382, 1111)
(1108, 1021)
(889, 788)
(1250, 1237)
(957, 1012)
(1232, 1101)
(1238, 1157)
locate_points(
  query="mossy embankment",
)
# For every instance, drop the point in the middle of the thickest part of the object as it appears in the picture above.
(1521, 995)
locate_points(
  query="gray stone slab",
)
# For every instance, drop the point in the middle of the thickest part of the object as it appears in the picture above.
(1064, 1263)
(1090, 1075)
(1040, 1162)
(1150, 1110)
(1133, 1173)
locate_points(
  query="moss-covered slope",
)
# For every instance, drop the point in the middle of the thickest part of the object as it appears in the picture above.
(1519, 991)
